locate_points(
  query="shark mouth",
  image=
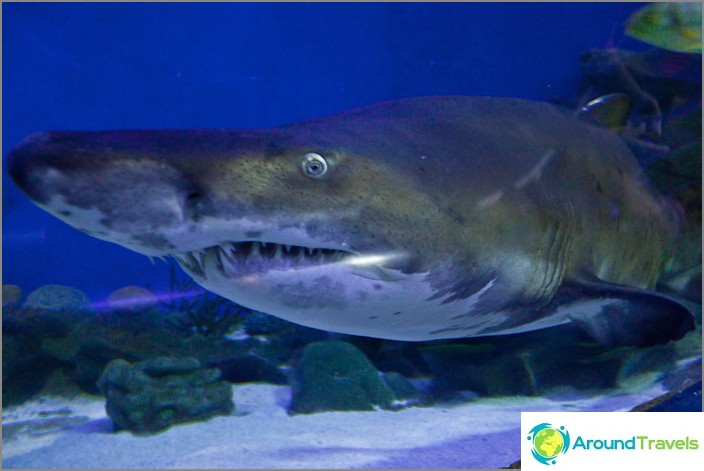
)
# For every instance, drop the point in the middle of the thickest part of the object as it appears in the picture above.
(237, 258)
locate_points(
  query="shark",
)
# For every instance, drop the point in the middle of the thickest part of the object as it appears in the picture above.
(416, 219)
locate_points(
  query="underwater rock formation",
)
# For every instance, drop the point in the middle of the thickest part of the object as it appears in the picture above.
(250, 369)
(336, 376)
(479, 369)
(153, 395)
(91, 344)
(404, 391)
(11, 294)
(26, 366)
(131, 298)
(389, 355)
(57, 297)
(541, 363)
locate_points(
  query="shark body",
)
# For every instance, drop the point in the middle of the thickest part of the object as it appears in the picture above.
(417, 219)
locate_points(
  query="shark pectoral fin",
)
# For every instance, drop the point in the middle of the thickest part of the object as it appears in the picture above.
(619, 315)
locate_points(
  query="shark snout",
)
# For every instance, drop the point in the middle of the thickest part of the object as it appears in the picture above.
(101, 188)
(28, 160)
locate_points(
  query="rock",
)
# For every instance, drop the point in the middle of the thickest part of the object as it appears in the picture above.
(57, 298)
(584, 367)
(89, 364)
(11, 294)
(26, 365)
(11, 351)
(47, 324)
(392, 356)
(404, 391)
(250, 369)
(165, 366)
(482, 373)
(60, 384)
(25, 368)
(336, 376)
(37, 323)
(90, 345)
(154, 395)
(132, 298)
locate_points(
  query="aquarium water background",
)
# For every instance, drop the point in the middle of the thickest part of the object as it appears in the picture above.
(248, 65)
(102, 66)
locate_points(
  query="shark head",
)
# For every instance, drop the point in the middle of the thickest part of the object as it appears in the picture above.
(286, 221)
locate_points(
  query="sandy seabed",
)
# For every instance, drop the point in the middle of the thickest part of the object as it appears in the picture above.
(76, 433)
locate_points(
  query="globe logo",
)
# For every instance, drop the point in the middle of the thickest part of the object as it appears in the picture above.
(548, 442)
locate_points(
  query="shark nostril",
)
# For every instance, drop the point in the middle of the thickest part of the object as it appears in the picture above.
(193, 203)
(193, 196)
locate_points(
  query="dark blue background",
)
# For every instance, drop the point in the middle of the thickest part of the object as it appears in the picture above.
(103, 66)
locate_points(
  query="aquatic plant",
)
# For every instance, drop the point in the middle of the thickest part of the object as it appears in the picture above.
(200, 312)
(207, 315)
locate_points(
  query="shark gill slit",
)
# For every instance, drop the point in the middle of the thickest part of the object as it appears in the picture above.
(545, 252)
(556, 245)
(564, 248)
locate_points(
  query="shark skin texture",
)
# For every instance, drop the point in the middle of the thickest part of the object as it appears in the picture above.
(417, 219)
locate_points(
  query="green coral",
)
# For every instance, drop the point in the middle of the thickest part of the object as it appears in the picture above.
(336, 376)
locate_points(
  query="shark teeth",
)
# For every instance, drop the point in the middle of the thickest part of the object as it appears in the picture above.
(230, 257)
(278, 252)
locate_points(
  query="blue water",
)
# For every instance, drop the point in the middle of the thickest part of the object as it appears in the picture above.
(107, 66)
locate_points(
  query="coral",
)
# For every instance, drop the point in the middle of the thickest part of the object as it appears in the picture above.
(25, 368)
(11, 294)
(153, 395)
(90, 345)
(131, 298)
(58, 298)
(333, 375)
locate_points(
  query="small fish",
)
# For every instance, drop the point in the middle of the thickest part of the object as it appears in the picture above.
(673, 26)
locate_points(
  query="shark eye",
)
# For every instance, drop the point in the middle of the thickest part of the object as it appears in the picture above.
(314, 165)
